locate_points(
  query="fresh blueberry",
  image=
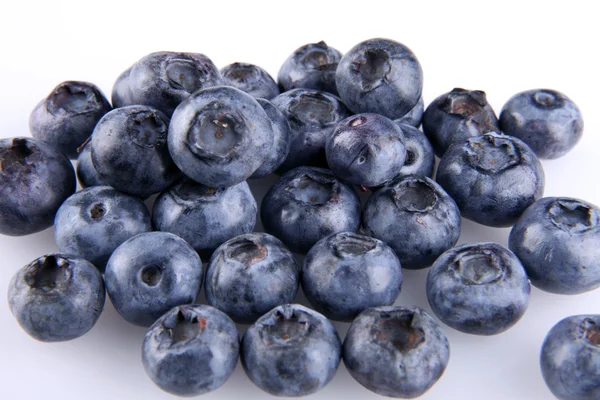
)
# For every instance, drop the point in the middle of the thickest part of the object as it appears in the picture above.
(86, 172)
(558, 241)
(414, 116)
(93, 222)
(396, 351)
(307, 204)
(380, 76)
(250, 275)
(67, 117)
(345, 273)
(291, 351)
(415, 217)
(457, 116)
(570, 358)
(479, 288)
(191, 350)
(35, 178)
(220, 136)
(56, 297)
(129, 151)
(281, 140)
(251, 79)
(493, 178)
(547, 120)
(366, 149)
(312, 116)
(420, 158)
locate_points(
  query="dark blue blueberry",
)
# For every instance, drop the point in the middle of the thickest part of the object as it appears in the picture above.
(345, 273)
(56, 297)
(251, 79)
(479, 288)
(312, 116)
(493, 178)
(250, 275)
(366, 149)
(281, 140)
(380, 76)
(129, 151)
(67, 117)
(35, 178)
(414, 116)
(558, 241)
(307, 204)
(220, 136)
(457, 116)
(93, 222)
(547, 120)
(191, 350)
(203, 216)
(570, 358)
(396, 351)
(86, 172)
(291, 351)
(415, 217)
(420, 158)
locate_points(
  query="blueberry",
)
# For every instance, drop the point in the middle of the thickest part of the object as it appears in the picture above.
(414, 116)
(547, 120)
(129, 151)
(558, 241)
(92, 223)
(420, 158)
(280, 147)
(493, 178)
(190, 350)
(86, 172)
(570, 358)
(220, 136)
(35, 178)
(251, 79)
(56, 297)
(291, 351)
(479, 288)
(366, 149)
(457, 116)
(250, 275)
(311, 66)
(203, 216)
(396, 351)
(380, 76)
(67, 117)
(415, 217)
(345, 273)
(307, 204)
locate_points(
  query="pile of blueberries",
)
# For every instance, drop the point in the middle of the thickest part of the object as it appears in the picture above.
(182, 130)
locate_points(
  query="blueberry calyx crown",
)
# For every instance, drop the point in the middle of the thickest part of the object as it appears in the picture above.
(572, 215)
(478, 266)
(492, 153)
(590, 332)
(215, 133)
(147, 129)
(317, 58)
(16, 155)
(547, 99)
(151, 275)
(414, 195)
(182, 325)
(373, 66)
(312, 109)
(183, 74)
(72, 98)
(398, 329)
(48, 273)
(313, 190)
(97, 211)
(247, 252)
(285, 324)
(241, 72)
(348, 245)
(466, 103)
(190, 191)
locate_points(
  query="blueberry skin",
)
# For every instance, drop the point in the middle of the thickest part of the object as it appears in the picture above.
(420, 158)
(307, 204)
(164, 79)
(366, 149)
(129, 151)
(493, 178)
(203, 216)
(35, 178)
(250, 275)
(251, 79)
(56, 297)
(558, 241)
(548, 121)
(380, 76)
(570, 358)
(93, 222)
(346, 273)
(291, 351)
(280, 147)
(415, 217)
(311, 66)
(457, 116)
(86, 172)
(414, 116)
(396, 351)
(191, 350)
(67, 117)
(312, 116)
(220, 136)
(479, 288)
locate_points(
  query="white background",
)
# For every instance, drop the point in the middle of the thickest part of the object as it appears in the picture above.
(499, 47)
